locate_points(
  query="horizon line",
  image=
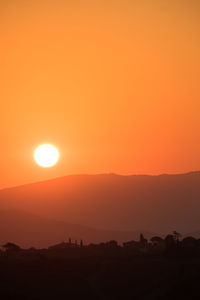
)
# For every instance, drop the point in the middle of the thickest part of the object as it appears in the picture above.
(101, 174)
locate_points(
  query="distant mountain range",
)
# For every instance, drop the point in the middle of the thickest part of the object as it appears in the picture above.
(29, 230)
(112, 202)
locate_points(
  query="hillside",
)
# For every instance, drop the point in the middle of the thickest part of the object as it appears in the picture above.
(155, 203)
(27, 230)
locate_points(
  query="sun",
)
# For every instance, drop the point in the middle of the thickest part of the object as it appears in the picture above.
(46, 155)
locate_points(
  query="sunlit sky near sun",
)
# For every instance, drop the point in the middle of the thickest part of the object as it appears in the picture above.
(114, 85)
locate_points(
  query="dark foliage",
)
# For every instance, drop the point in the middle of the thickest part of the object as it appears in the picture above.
(160, 269)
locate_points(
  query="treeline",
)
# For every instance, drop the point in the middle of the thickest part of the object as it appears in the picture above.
(156, 244)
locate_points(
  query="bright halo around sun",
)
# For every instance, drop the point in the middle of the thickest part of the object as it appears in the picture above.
(46, 155)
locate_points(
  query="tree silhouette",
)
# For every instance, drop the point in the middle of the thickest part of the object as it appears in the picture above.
(11, 247)
(177, 236)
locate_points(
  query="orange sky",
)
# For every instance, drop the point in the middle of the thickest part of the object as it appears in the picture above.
(114, 84)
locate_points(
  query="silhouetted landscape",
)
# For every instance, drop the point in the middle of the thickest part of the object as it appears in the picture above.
(161, 268)
(101, 237)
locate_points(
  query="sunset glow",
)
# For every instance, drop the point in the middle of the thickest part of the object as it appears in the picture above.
(114, 83)
(100, 149)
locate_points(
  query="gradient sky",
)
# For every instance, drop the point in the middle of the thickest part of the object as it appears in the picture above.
(115, 85)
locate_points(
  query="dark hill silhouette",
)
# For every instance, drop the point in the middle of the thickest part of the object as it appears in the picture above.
(29, 230)
(158, 203)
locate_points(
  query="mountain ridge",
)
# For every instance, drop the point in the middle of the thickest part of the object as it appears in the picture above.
(160, 203)
(101, 174)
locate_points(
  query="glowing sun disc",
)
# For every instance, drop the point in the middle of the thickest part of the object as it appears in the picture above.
(46, 155)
